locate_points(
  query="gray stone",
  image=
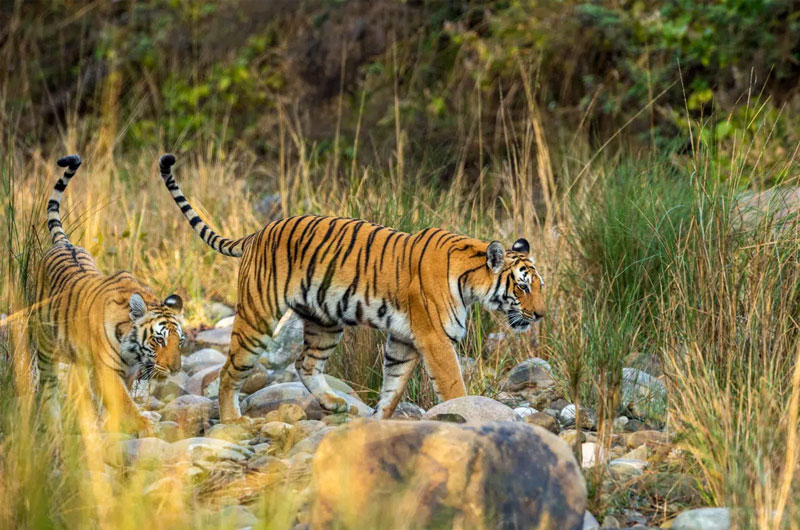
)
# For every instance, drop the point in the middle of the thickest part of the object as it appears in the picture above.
(408, 411)
(281, 376)
(309, 444)
(202, 359)
(534, 372)
(145, 450)
(474, 409)
(200, 449)
(151, 415)
(703, 519)
(542, 420)
(522, 412)
(309, 427)
(589, 522)
(286, 342)
(643, 394)
(168, 389)
(588, 417)
(228, 431)
(191, 413)
(194, 385)
(625, 468)
(620, 423)
(492, 475)
(169, 431)
(214, 311)
(214, 338)
(271, 397)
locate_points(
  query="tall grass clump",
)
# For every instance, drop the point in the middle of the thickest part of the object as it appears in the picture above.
(729, 338)
(681, 266)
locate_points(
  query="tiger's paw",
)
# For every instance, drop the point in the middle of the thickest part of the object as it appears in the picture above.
(146, 428)
(333, 403)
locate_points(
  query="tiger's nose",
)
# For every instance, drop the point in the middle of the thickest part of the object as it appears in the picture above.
(175, 365)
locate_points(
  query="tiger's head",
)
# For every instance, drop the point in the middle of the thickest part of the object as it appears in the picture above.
(518, 288)
(154, 340)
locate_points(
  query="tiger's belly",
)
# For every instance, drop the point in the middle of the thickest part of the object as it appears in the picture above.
(339, 309)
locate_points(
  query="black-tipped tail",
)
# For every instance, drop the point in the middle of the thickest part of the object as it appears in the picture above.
(225, 246)
(72, 163)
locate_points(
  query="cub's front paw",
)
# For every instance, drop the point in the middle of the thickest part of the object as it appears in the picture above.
(146, 427)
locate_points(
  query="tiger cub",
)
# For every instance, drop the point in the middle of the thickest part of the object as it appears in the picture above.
(113, 324)
(335, 272)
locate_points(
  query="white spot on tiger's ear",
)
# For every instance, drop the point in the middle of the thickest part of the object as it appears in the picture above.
(174, 302)
(137, 306)
(521, 245)
(495, 256)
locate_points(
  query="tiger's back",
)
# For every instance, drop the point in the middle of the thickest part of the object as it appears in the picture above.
(79, 307)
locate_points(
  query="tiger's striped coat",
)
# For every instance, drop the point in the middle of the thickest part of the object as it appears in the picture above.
(335, 272)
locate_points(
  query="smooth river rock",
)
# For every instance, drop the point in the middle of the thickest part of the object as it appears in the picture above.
(385, 473)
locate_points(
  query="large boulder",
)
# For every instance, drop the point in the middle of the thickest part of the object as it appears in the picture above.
(471, 409)
(379, 474)
(272, 397)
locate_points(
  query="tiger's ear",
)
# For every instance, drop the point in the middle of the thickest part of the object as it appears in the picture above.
(137, 306)
(174, 302)
(521, 245)
(495, 256)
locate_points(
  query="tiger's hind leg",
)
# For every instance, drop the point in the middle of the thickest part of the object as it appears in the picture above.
(318, 343)
(247, 344)
(399, 361)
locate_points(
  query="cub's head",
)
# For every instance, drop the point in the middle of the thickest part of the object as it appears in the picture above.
(155, 337)
(518, 288)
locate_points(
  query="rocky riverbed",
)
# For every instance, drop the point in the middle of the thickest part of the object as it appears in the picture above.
(473, 462)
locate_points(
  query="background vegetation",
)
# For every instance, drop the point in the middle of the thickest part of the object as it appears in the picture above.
(643, 147)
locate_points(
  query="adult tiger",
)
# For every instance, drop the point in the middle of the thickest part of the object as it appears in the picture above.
(112, 323)
(334, 272)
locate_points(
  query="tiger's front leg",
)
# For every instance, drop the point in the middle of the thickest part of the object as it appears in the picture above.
(122, 413)
(318, 344)
(399, 361)
(441, 363)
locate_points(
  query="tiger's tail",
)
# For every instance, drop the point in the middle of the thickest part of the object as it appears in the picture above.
(223, 245)
(57, 234)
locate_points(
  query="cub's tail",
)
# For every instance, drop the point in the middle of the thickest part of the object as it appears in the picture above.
(225, 246)
(57, 234)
